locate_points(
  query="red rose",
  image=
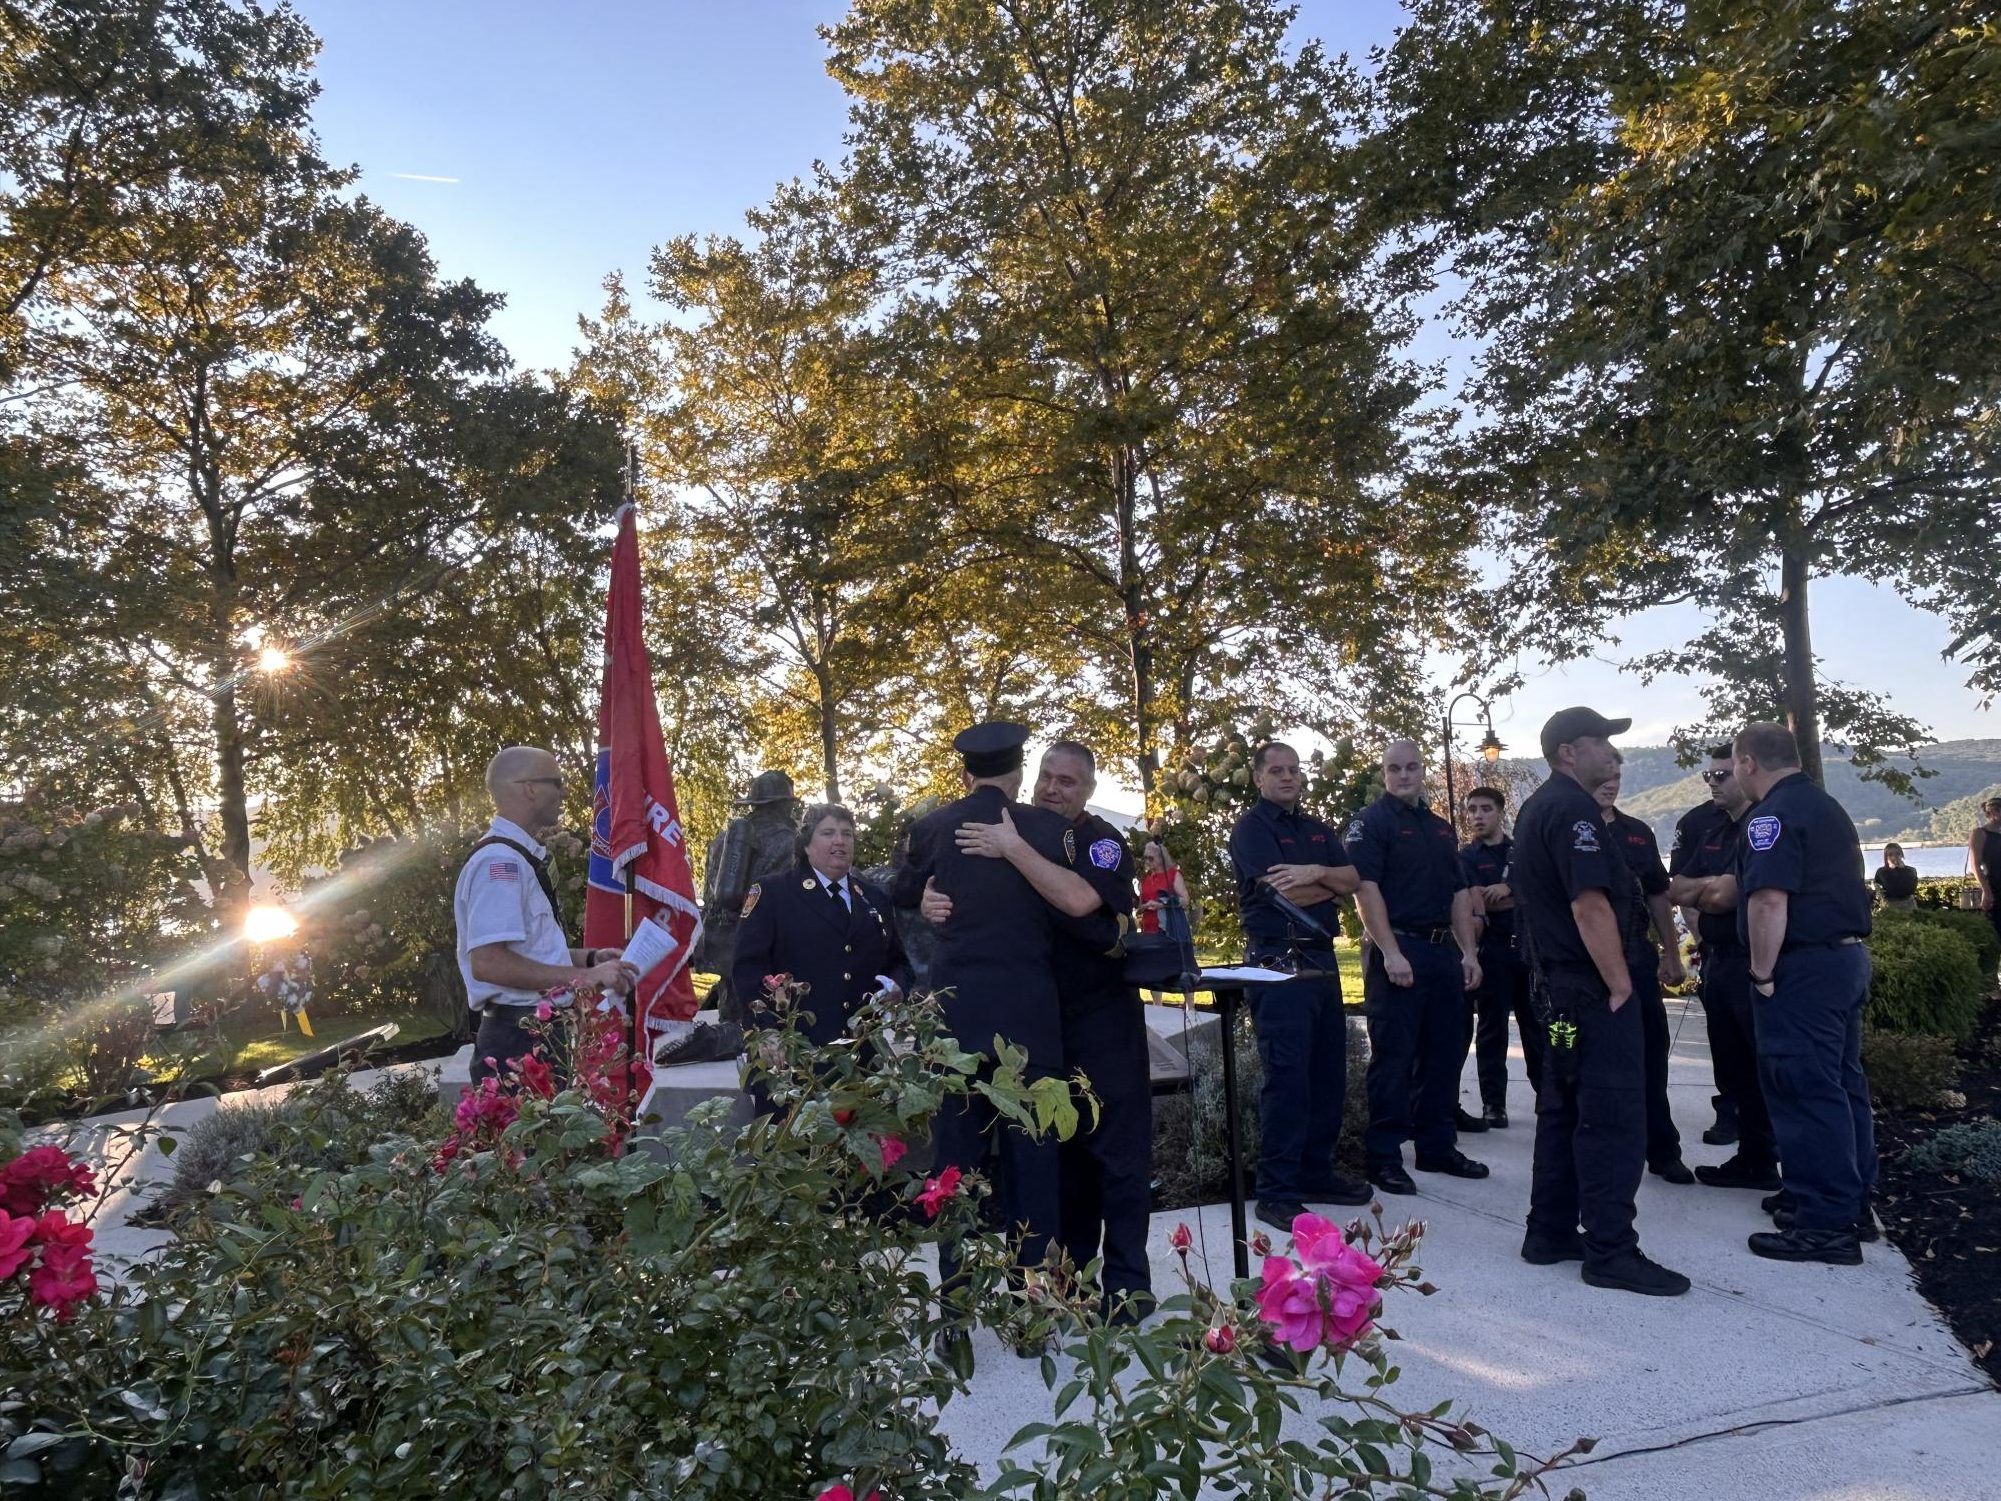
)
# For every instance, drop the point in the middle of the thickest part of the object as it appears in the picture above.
(844, 1116)
(1220, 1340)
(937, 1190)
(15, 1251)
(893, 1150)
(40, 1175)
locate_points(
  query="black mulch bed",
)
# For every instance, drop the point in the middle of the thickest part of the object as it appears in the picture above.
(1950, 1228)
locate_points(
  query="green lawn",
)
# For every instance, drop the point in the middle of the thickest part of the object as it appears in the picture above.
(253, 1038)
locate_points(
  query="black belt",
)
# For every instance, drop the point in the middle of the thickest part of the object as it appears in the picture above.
(1831, 943)
(1426, 935)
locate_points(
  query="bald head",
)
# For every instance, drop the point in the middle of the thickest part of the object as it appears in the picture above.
(526, 785)
(1403, 770)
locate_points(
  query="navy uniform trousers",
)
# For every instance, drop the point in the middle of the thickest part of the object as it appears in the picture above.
(1417, 1048)
(1810, 1064)
(1107, 1173)
(1302, 1036)
(1733, 1047)
(1663, 1140)
(1591, 1129)
(965, 1133)
(1503, 991)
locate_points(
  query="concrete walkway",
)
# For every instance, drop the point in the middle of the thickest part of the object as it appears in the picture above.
(1768, 1382)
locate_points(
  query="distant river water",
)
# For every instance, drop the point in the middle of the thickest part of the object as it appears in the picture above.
(1926, 859)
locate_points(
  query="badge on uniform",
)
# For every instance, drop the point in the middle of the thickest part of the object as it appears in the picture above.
(1355, 831)
(1586, 841)
(750, 898)
(1105, 854)
(1762, 831)
(1070, 845)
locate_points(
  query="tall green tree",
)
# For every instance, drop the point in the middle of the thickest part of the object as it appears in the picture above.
(1735, 270)
(1129, 232)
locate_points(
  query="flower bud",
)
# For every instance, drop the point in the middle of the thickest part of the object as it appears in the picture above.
(1180, 1239)
(1260, 1243)
(1220, 1340)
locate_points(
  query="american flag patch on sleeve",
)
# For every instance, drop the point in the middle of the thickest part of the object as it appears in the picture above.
(503, 870)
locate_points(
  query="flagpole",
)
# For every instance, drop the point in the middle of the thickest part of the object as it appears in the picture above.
(638, 1027)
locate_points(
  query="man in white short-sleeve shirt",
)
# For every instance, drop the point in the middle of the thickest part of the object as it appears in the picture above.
(511, 944)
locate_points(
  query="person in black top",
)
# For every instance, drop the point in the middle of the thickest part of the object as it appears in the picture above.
(1301, 1029)
(1504, 979)
(1984, 851)
(1651, 969)
(1107, 1171)
(1700, 823)
(1702, 878)
(996, 971)
(1895, 881)
(821, 925)
(1572, 894)
(1424, 957)
(1803, 912)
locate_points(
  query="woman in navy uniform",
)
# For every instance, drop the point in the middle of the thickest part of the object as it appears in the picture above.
(823, 926)
(1803, 908)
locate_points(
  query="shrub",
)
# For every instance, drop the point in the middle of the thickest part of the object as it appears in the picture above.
(1969, 1150)
(1974, 928)
(731, 1317)
(1910, 1071)
(1923, 978)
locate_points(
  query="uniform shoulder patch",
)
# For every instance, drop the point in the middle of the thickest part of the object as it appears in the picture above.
(750, 898)
(1763, 831)
(1356, 829)
(1584, 837)
(1105, 854)
(1070, 845)
(503, 870)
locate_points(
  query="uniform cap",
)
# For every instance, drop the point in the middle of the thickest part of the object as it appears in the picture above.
(1566, 725)
(768, 787)
(992, 749)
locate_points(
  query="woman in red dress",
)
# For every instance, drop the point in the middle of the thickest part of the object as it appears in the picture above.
(1160, 880)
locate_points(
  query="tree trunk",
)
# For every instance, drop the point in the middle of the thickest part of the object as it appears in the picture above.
(830, 733)
(233, 806)
(1802, 694)
(1139, 631)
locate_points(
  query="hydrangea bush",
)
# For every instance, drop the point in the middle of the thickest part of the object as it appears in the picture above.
(726, 1313)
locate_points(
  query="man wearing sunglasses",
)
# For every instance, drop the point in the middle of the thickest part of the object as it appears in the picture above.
(511, 946)
(1701, 877)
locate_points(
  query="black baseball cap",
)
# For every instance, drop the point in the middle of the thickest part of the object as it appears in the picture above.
(1566, 725)
(992, 749)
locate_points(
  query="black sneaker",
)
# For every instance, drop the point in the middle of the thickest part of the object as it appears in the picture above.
(1735, 1172)
(1635, 1273)
(1674, 1171)
(1722, 1134)
(1773, 1203)
(1465, 1120)
(1865, 1226)
(1545, 1250)
(1391, 1178)
(1835, 1247)
(1496, 1117)
(1340, 1189)
(1454, 1164)
(1279, 1213)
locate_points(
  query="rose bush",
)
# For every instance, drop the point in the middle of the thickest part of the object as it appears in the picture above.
(732, 1312)
(45, 1254)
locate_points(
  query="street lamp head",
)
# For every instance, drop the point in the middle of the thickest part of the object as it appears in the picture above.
(1491, 748)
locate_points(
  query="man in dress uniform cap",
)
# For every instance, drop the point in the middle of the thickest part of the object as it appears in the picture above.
(996, 971)
(1572, 893)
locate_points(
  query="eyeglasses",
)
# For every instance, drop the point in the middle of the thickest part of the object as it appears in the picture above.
(1717, 778)
(556, 782)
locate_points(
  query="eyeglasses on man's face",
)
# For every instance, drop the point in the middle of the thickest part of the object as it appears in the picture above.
(556, 782)
(1718, 778)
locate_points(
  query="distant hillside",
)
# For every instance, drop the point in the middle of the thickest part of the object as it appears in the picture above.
(1965, 771)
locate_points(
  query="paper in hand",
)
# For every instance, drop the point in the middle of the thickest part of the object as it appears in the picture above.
(649, 946)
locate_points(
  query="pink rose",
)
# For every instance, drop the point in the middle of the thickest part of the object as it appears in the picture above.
(893, 1150)
(937, 1190)
(14, 1248)
(544, 1011)
(1179, 1239)
(1290, 1304)
(840, 1492)
(1322, 1246)
(778, 982)
(1220, 1340)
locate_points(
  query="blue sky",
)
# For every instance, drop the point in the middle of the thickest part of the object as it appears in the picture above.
(581, 135)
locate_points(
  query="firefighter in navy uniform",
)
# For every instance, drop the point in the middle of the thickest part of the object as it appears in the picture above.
(996, 972)
(1572, 891)
(1504, 978)
(1702, 878)
(1107, 1171)
(1803, 911)
(1418, 912)
(823, 926)
(1651, 969)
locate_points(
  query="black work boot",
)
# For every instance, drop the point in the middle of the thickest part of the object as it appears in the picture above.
(1636, 1273)
(1835, 1247)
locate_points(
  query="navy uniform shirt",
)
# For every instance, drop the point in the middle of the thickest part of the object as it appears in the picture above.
(1799, 840)
(1412, 856)
(1268, 836)
(1562, 850)
(1487, 865)
(1642, 854)
(1087, 977)
(841, 951)
(1707, 846)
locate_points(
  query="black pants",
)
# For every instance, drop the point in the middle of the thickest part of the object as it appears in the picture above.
(1417, 1045)
(1810, 1062)
(501, 1038)
(1302, 1036)
(1107, 1173)
(1591, 1131)
(1503, 992)
(1733, 1045)
(968, 1134)
(1663, 1140)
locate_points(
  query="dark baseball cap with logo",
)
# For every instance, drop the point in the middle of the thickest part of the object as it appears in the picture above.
(1566, 725)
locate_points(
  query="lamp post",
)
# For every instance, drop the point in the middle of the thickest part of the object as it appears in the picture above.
(1490, 748)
